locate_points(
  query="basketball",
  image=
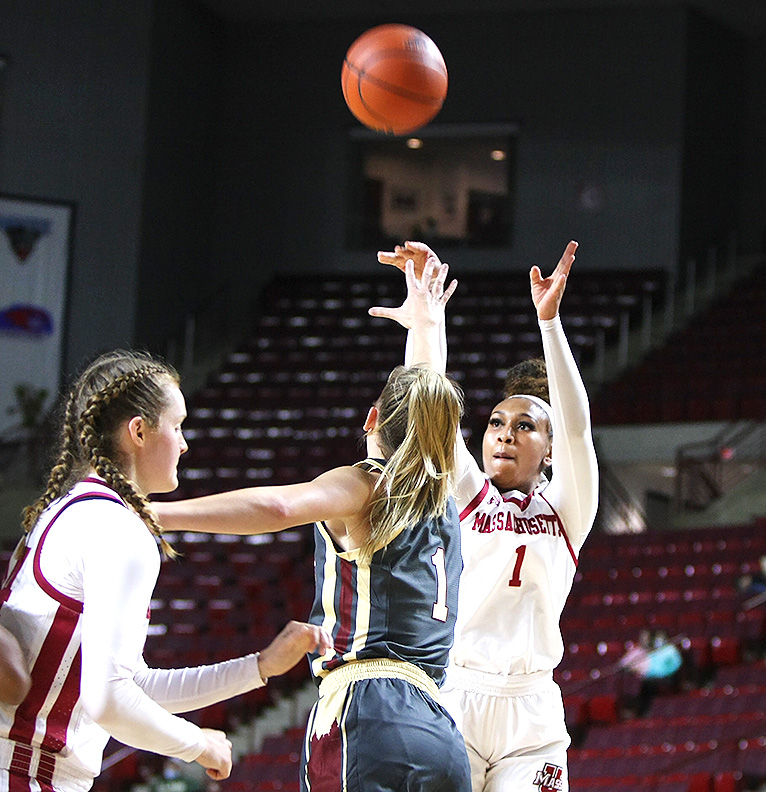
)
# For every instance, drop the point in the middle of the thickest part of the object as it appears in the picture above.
(394, 79)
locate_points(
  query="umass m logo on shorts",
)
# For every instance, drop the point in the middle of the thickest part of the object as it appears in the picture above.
(549, 779)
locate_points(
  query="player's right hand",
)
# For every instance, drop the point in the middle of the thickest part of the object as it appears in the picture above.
(216, 757)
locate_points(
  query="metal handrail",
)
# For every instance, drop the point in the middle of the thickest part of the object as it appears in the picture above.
(707, 470)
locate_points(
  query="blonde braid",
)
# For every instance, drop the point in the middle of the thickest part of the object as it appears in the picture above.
(61, 472)
(125, 488)
(102, 463)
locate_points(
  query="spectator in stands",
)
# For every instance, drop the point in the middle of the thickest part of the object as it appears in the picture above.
(754, 583)
(665, 658)
(387, 569)
(78, 592)
(657, 662)
(636, 657)
(521, 536)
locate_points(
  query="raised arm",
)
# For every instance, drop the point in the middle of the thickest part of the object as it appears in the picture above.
(574, 487)
(422, 312)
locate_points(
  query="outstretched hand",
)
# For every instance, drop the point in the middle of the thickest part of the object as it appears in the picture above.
(418, 252)
(426, 296)
(291, 646)
(547, 292)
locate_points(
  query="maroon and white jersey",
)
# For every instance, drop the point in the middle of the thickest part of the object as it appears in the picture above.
(524, 563)
(78, 602)
(520, 550)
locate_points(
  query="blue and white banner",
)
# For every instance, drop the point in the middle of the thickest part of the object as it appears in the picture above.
(34, 264)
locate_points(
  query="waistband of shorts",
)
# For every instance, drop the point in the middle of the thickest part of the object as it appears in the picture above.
(378, 668)
(25, 760)
(498, 684)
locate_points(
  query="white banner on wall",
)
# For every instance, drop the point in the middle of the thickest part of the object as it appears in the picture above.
(34, 266)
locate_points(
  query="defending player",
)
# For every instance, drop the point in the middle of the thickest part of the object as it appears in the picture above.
(387, 569)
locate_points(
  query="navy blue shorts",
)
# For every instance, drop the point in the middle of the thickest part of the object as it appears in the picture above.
(383, 734)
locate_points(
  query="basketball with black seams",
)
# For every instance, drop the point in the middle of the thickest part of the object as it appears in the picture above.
(394, 79)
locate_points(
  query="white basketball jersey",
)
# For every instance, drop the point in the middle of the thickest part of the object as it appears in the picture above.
(49, 736)
(519, 569)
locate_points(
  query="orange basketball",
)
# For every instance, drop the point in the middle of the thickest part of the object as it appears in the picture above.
(394, 79)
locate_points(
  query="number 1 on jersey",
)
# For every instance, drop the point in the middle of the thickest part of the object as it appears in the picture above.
(440, 609)
(516, 579)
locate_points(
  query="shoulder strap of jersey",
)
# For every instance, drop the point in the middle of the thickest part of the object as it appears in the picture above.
(371, 464)
(68, 602)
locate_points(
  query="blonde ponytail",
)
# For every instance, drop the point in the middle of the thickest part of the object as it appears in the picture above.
(419, 416)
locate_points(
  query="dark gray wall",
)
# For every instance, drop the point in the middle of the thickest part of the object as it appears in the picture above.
(598, 96)
(73, 129)
(179, 266)
(751, 202)
(203, 155)
(714, 94)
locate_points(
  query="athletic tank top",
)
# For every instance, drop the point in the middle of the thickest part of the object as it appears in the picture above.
(402, 605)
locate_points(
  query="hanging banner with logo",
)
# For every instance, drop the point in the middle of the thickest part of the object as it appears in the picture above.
(35, 239)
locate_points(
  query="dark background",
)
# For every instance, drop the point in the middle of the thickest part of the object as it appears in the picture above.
(204, 144)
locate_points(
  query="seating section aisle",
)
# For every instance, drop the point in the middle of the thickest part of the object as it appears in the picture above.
(706, 371)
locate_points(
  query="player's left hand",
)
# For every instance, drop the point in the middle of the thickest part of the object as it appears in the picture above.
(426, 296)
(291, 646)
(547, 292)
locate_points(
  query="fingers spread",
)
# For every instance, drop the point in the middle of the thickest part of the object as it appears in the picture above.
(449, 291)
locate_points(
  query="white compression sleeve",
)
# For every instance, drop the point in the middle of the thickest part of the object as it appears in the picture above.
(186, 689)
(573, 490)
(120, 565)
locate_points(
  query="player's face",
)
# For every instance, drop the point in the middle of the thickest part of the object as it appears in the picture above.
(156, 464)
(516, 446)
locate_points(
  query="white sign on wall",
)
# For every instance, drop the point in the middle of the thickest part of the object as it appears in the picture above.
(35, 238)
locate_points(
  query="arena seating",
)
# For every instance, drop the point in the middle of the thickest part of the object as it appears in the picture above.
(704, 372)
(706, 733)
(291, 401)
(707, 736)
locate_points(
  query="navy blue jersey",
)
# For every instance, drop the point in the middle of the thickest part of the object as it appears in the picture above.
(401, 606)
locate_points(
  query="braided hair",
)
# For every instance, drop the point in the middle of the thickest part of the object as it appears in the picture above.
(115, 387)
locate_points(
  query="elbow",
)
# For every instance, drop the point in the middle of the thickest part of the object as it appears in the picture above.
(260, 510)
(101, 708)
(15, 686)
(275, 514)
